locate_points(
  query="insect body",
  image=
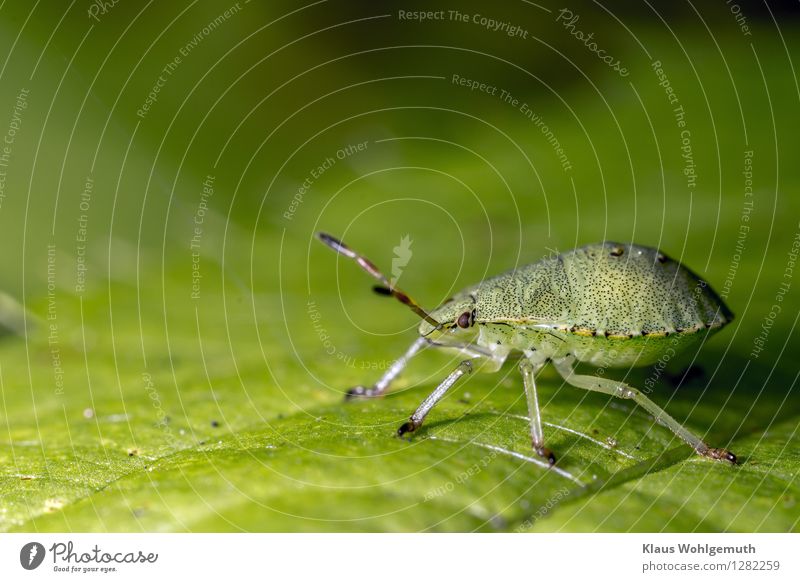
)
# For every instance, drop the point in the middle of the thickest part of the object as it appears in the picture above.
(606, 304)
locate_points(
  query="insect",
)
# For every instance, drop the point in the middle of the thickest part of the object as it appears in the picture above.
(606, 304)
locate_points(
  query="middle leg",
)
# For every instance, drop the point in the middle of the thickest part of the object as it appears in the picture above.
(529, 370)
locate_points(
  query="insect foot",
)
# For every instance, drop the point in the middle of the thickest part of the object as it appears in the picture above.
(545, 453)
(359, 392)
(409, 426)
(720, 455)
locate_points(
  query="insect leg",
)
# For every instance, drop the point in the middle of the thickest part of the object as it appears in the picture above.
(419, 415)
(529, 371)
(393, 372)
(622, 390)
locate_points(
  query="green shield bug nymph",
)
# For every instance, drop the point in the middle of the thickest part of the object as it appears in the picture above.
(606, 304)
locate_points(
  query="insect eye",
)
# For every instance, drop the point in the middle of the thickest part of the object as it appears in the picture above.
(464, 320)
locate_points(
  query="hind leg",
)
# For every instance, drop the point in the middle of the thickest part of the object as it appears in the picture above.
(622, 390)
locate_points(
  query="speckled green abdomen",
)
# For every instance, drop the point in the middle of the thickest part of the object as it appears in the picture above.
(609, 304)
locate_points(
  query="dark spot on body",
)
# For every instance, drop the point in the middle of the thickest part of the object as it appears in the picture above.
(661, 258)
(616, 252)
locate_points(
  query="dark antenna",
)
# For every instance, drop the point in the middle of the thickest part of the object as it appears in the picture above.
(387, 288)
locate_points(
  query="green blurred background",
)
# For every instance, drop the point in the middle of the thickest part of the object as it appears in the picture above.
(178, 355)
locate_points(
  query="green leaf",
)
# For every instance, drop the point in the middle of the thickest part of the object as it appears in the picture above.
(335, 466)
(136, 405)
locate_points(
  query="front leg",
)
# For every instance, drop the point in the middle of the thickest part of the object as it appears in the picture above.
(419, 415)
(393, 372)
